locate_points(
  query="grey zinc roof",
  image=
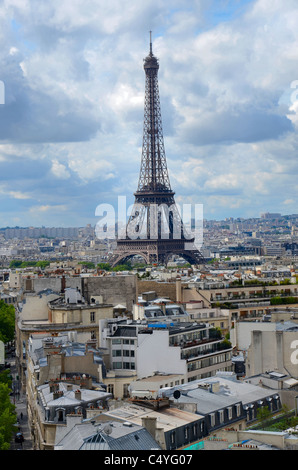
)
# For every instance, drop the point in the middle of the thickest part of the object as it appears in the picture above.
(230, 392)
(74, 439)
(68, 397)
(111, 435)
(126, 331)
(287, 326)
(121, 436)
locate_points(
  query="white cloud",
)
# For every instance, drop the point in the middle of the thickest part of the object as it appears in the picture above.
(4, 190)
(75, 93)
(47, 208)
(59, 170)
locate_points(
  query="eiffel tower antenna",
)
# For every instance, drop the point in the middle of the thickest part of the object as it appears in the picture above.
(154, 230)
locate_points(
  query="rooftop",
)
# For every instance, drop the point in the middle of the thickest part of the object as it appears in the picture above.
(68, 395)
(216, 392)
(109, 435)
(167, 418)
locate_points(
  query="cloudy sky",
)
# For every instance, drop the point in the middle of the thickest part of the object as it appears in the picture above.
(71, 120)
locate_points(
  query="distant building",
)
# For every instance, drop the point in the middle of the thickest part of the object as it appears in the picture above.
(270, 215)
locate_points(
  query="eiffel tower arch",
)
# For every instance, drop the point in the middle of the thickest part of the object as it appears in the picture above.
(155, 230)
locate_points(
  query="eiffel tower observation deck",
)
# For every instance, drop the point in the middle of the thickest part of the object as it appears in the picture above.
(155, 230)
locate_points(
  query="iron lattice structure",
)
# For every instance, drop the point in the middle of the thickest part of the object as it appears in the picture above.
(155, 230)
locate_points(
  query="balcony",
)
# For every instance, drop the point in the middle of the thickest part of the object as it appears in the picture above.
(215, 346)
(254, 299)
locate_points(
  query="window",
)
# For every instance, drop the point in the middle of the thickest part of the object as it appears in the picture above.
(117, 365)
(221, 416)
(116, 341)
(60, 414)
(79, 410)
(92, 317)
(230, 412)
(117, 353)
(212, 419)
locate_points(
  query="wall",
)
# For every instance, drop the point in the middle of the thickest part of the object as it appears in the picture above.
(273, 350)
(155, 354)
(36, 307)
(243, 330)
(162, 289)
(53, 283)
(271, 438)
(114, 290)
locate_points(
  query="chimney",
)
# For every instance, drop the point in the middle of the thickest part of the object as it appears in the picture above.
(57, 394)
(149, 423)
(63, 284)
(54, 387)
(178, 290)
(78, 395)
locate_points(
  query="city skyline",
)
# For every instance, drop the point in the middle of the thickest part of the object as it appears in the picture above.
(72, 121)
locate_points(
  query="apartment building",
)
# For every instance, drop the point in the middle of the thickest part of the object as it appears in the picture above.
(139, 349)
(53, 313)
(224, 401)
(57, 400)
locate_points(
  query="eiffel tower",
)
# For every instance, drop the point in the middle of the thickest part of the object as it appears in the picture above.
(155, 230)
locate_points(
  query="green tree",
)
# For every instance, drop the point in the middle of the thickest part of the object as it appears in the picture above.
(5, 377)
(104, 266)
(87, 264)
(283, 300)
(122, 267)
(7, 322)
(28, 264)
(8, 417)
(263, 414)
(42, 264)
(15, 264)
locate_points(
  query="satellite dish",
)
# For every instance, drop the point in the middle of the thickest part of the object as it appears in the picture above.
(177, 394)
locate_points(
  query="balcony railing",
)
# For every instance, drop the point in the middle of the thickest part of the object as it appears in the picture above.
(215, 347)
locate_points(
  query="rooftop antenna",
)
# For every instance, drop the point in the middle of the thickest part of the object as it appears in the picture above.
(150, 42)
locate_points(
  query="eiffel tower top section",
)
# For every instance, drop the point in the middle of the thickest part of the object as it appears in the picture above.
(154, 178)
